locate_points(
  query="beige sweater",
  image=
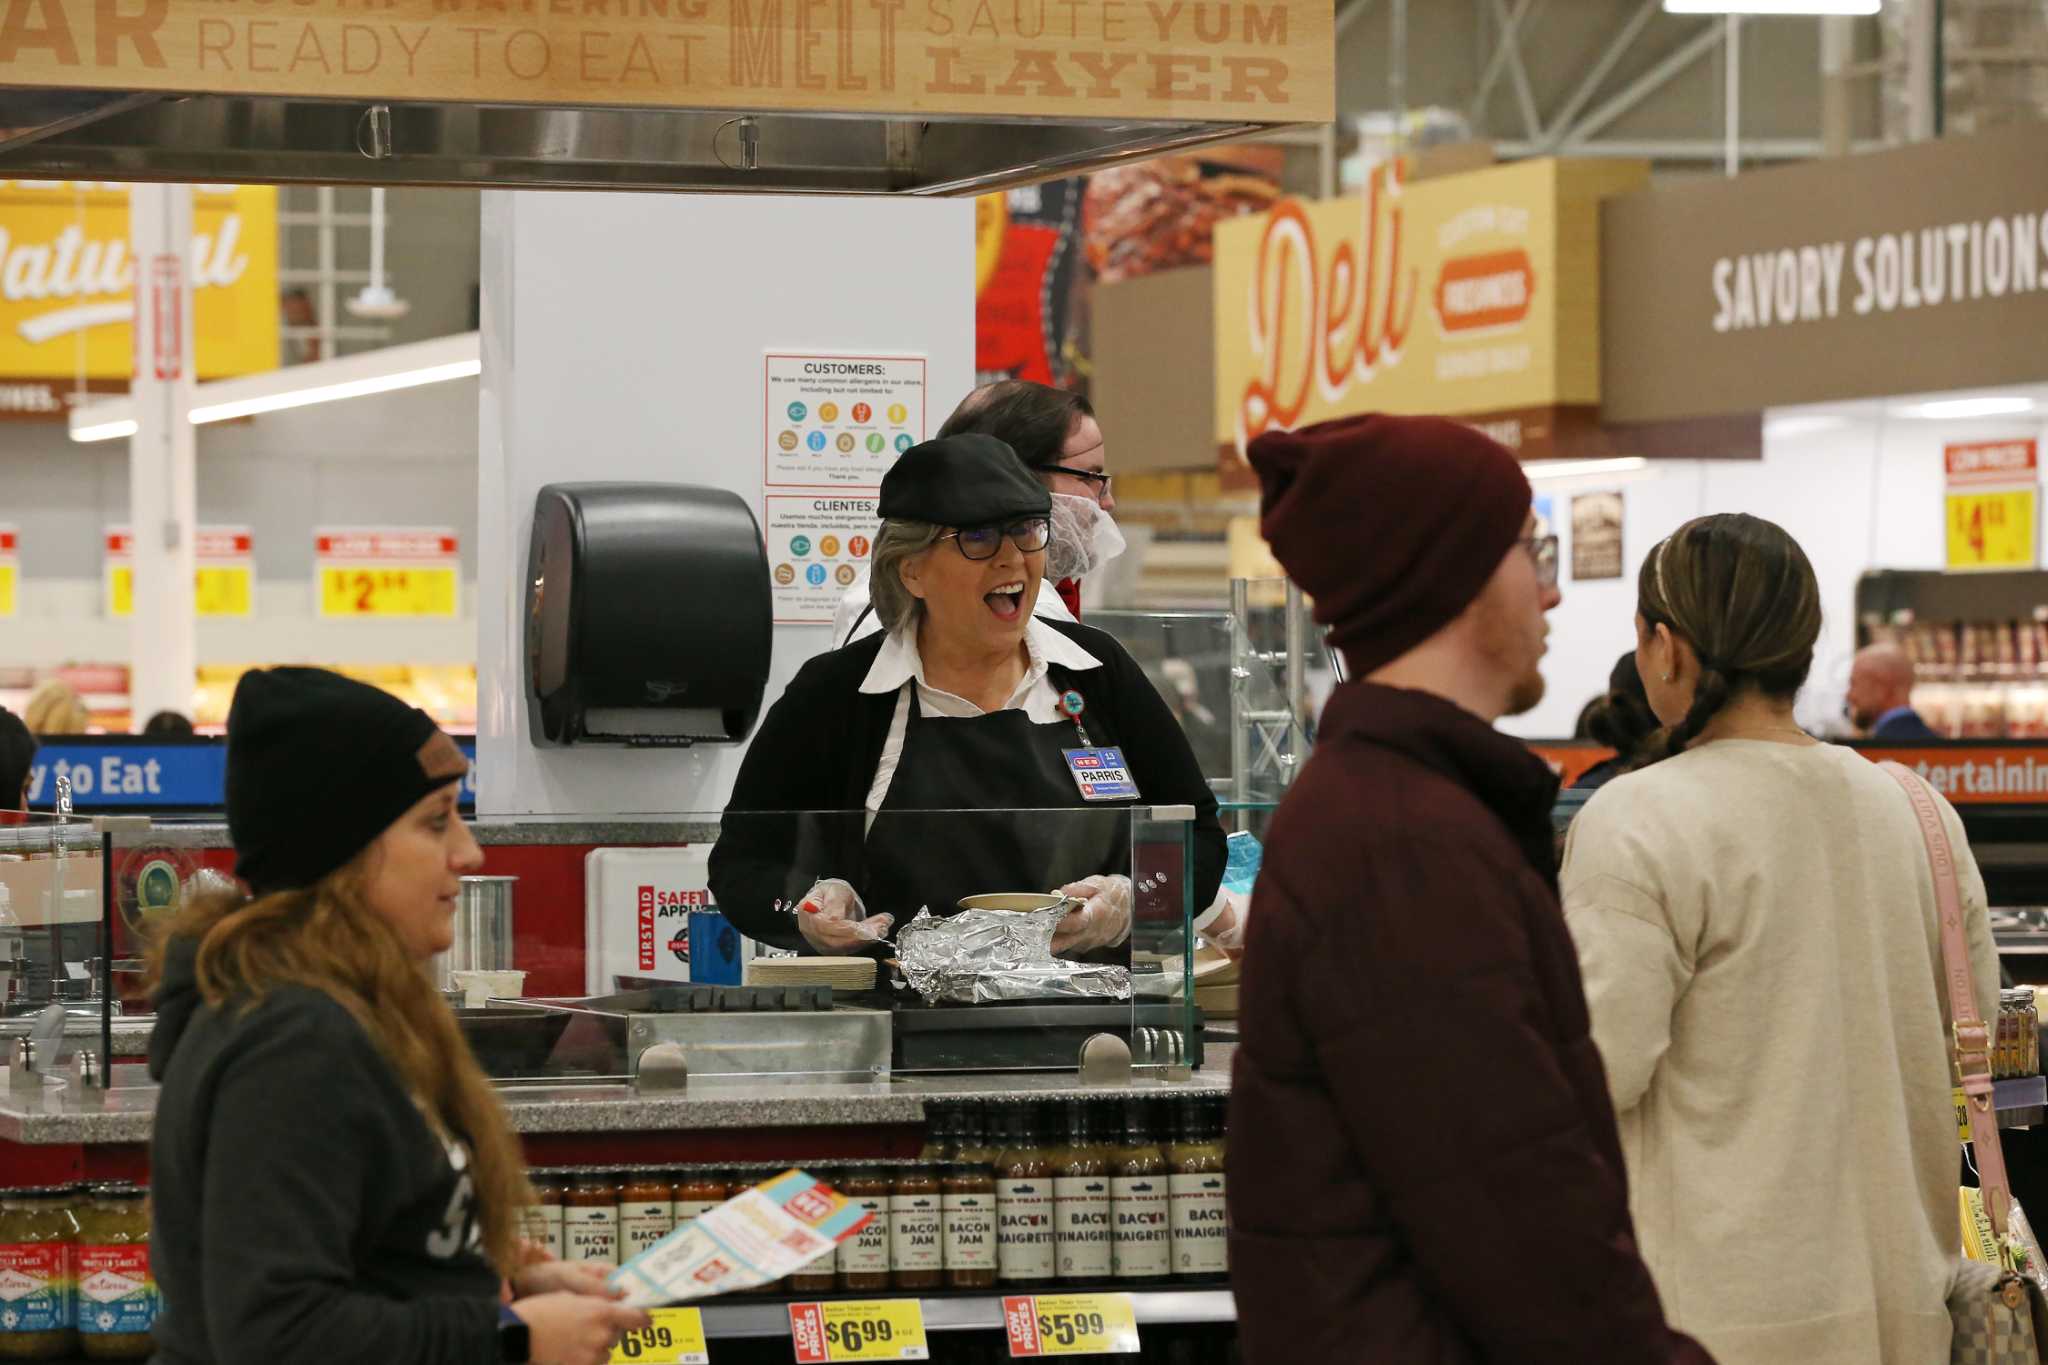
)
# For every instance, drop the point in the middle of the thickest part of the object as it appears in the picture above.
(1757, 929)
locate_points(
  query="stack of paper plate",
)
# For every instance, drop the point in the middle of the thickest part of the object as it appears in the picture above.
(840, 973)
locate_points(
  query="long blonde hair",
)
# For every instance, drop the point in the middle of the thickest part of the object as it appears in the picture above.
(326, 937)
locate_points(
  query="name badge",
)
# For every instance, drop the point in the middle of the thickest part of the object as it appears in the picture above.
(1101, 774)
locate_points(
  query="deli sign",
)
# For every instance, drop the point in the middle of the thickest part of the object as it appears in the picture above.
(1915, 270)
(1469, 294)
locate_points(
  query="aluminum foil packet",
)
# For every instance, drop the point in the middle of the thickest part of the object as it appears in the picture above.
(988, 956)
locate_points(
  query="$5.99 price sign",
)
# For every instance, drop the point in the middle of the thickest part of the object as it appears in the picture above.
(675, 1338)
(876, 1329)
(1070, 1325)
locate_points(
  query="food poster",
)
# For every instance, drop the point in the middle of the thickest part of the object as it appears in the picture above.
(1596, 537)
(818, 547)
(1039, 249)
(836, 421)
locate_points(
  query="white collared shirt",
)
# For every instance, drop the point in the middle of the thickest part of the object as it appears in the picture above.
(898, 668)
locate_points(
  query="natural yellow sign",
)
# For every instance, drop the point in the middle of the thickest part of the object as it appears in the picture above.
(1466, 294)
(217, 590)
(1992, 530)
(7, 581)
(67, 277)
(1267, 61)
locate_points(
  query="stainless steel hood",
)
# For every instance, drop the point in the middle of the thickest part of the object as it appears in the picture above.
(826, 96)
(71, 135)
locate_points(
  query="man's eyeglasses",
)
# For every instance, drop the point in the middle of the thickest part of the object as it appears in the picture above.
(1542, 549)
(1098, 483)
(982, 542)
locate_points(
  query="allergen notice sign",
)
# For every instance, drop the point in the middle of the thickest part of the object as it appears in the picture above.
(839, 421)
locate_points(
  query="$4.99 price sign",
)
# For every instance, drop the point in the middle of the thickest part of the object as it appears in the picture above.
(1070, 1325)
(876, 1329)
(675, 1338)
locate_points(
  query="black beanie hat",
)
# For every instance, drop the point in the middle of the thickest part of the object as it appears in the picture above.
(963, 481)
(320, 765)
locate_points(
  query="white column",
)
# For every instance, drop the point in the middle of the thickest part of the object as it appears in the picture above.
(1923, 71)
(1837, 110)
(162, 494)
(1732, 96)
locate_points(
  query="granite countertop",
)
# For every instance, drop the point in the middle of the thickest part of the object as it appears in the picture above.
(61, 1115)
(608, 830)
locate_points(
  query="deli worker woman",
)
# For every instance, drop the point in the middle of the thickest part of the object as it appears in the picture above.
(965, 702)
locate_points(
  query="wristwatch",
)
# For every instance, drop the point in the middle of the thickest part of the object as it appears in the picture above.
(515, 1340)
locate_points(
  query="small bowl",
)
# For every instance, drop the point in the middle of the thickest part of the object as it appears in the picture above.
(1023, 902)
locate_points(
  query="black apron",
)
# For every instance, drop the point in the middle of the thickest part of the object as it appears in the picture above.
(927, 848)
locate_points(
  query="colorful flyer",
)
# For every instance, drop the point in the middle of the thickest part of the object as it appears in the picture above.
(818, 547)
(839, 421)
(759, 1235)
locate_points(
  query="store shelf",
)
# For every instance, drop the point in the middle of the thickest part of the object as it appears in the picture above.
(977, 1312)
(2021, 1092)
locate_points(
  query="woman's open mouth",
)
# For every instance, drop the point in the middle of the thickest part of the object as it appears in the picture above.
(1007, 602)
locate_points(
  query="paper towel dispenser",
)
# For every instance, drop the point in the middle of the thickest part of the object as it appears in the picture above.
(648, 617)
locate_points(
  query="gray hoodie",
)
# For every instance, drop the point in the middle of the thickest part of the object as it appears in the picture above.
(304, 1210)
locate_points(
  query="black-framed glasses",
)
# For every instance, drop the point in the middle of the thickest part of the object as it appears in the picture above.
(982, 542)
(1098, 482)
(1543, 550)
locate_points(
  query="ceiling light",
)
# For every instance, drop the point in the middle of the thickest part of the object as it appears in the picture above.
(1783, 427)
(1576, 469)
(1771, 6)
(324, 381)
(1996, 405)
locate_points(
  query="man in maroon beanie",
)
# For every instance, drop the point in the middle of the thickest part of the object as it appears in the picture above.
(1424, 1167)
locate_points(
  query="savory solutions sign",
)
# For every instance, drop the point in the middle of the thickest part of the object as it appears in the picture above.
(1919, 269)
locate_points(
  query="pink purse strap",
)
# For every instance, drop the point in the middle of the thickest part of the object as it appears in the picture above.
(1969, 1036)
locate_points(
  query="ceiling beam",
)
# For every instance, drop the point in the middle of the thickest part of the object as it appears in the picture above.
(1703, 41)
(1624, 39)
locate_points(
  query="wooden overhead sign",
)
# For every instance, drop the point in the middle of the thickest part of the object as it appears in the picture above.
(1256, 61)
(1914, 270)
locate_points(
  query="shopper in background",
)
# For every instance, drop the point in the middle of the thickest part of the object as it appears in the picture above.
(168, 725)
(1755, 918)
(1423, 1163)
(920, 746)
(1054, 432)
(332, 1177)
(17, 758)
(55, 708)
(1619, 718)
(1880, 703)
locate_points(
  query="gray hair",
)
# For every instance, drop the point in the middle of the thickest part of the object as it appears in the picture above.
(897, 541)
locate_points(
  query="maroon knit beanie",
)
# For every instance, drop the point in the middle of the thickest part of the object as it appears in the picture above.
(1392, 524)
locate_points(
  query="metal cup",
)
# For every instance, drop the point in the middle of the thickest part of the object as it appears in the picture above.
(483, 930)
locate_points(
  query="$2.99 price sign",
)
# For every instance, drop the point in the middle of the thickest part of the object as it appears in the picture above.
(876, 1329)
(675, 1338)
(421, 590)
(1070, 1325)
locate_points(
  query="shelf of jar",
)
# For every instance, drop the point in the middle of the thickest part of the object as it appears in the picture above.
(974, 1310)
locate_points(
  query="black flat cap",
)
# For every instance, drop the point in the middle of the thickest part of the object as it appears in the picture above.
(962, 481)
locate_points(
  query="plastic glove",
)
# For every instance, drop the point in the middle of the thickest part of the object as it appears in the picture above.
(1224, 923)
(830, 919)
(1102, 922)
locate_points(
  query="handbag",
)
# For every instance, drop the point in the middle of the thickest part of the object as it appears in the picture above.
(1999, 1314)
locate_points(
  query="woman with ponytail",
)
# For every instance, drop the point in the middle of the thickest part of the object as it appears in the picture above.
(1755, 921)
(332, 1177)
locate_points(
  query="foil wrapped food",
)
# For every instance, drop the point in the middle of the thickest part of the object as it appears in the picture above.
(980, 957)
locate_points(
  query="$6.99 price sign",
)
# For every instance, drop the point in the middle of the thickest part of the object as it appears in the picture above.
(1070, 1325)
(876, 1329)
(676, 1337)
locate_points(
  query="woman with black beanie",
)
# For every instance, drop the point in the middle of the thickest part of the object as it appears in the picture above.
(333, 1179)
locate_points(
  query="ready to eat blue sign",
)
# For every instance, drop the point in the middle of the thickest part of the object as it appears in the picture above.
(116, 773)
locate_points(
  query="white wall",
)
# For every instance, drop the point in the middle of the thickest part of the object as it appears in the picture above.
(623, 339)
(1866, 494)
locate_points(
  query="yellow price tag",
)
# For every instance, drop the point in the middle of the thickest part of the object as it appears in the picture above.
(867, 1329)
(1992, 530)
(412, 590)
(1070, 1325)
(224, 590)
(676, 1337)
(7, 572)
(217, 590)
